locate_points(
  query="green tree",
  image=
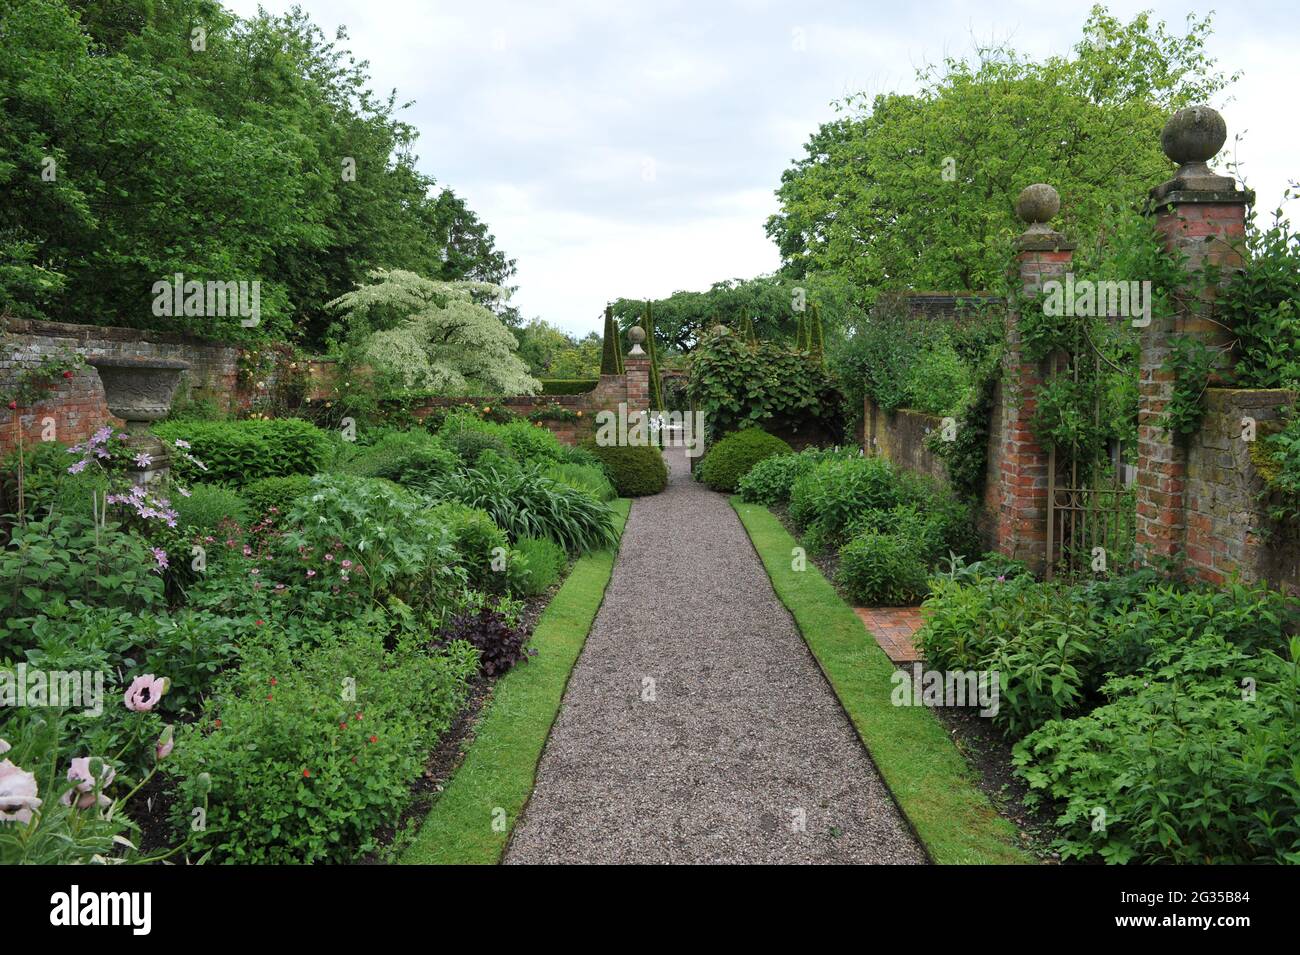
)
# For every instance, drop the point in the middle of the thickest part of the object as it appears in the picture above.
(917, 190)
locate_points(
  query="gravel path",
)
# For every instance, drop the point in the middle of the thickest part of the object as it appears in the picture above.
(743, 734)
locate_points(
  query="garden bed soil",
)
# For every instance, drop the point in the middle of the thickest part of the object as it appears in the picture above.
(984, 749)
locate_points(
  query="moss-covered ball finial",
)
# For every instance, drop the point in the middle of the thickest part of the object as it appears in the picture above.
(1038, 204)
(636, 335)
(1194, 135)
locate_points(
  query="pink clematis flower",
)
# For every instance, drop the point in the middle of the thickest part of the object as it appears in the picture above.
(17, 793)
(145, 691)
(85, 784)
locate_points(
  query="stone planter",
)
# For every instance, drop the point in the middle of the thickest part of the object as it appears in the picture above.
(139, 390)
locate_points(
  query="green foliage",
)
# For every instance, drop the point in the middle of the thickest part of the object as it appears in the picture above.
(569, 386)
(828, 500)
(1191, 361)
(770, 480)
(883, 570)
(735, 386)
(386, 541)
(590, 478)
(476, 538)
(1185, 764)
(525, 503)
(965, 457)
(914, 190)
(1261, 304)
(612, 345)
(239, 452)
(409, 458)
(470, 444)
(47, 484)
(731, 458)
(635, 470)
(276, 493)
(62, 558)
(683, 319)
(221, 165)
(552, 353)
(529, 443)
(208, 505)
(322, 773)
(536, 564)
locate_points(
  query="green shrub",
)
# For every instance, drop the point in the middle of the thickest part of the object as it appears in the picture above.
(883, 570)
(275, 493)
(536, 564)
(298, 772)
(730, 459)
(527, 442)
(1183, 765)
(238, 452)
(47, 485)
(476, 538)
(635, 470)
(470, 445)
(525, 503)
(827, 500)
(375, 538)
(208, 505)
(590, 478)
(770, 480)
(409, 458)
(938, 381)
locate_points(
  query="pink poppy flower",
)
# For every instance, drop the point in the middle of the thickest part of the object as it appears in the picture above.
(85, 784)
(17, 793)
(144, 692)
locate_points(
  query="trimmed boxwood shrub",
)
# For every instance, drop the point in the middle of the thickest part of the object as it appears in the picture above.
(635, 470)
(239, 452)
(730, 459)
(568, 386)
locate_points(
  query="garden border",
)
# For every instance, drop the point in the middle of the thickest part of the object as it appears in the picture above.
(927, 776)
(512, 733)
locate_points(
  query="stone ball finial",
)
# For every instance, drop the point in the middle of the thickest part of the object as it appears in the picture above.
(1038, 204)
(1194, 135)
(636, 334)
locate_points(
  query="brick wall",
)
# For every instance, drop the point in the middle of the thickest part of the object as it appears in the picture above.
(1226, 524)
(76, 405)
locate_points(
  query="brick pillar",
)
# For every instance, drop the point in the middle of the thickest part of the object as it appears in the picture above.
(1042, 254)
(636, 369)
(1201, 215)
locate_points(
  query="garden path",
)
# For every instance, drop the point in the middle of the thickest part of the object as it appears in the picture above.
(697, 727)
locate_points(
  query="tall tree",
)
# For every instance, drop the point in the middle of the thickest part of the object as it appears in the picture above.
(917, 190)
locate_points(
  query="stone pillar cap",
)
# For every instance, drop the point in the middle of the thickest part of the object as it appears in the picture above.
(636, 335)
(1191, 138)
(1037, 205)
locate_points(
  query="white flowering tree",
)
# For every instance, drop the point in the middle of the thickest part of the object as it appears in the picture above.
(434, 336)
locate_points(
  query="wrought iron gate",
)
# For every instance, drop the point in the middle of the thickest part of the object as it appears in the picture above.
(1091, 513)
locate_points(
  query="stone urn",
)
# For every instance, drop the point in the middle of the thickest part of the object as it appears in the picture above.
(139, 390)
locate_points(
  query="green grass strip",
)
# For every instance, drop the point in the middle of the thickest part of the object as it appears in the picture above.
(499, 770)
(920, 764)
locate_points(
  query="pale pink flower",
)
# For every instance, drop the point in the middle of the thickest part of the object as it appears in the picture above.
(144, 692)
(17, 793)
(166, 743)
(4, 746)
(85, 784)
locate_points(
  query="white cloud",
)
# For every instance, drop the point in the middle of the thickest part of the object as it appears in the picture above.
(543, 116)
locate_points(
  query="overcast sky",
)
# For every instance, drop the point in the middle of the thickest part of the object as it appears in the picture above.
(633, 148)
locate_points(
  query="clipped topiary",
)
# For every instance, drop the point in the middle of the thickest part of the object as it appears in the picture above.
(635, 470)
(730, 459)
